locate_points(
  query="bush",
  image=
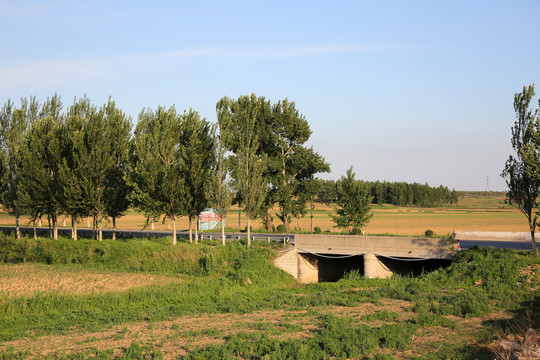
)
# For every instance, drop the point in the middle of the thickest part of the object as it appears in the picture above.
(281, 228)
(429, 233)
(317, 230)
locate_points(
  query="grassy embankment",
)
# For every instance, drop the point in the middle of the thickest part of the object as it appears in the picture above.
(487, 213)
(148, 299)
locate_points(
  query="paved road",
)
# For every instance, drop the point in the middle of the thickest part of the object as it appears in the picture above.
(516, 245)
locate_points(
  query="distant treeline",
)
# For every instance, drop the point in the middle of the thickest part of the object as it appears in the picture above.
(396, 193)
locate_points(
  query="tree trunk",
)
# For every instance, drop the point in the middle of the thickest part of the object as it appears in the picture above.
(532, 227)
(190, 234)
(94, 236)
(173, 220)
(239, 222)
(152, 225)
(223, 231)
(248, 231)
(17, 226)
(311, 215)
(87, 222)
(100, 230)
(63, 221)
(35, 230)
(55, 227)
(39, 221)
(50, 228)
(269, 222)
(286, 222)
(73, 228)
(197, 230)
(114, 227)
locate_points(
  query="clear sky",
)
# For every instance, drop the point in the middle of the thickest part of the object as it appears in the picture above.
(415, 91)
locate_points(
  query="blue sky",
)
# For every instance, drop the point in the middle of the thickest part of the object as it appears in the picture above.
(416, 91)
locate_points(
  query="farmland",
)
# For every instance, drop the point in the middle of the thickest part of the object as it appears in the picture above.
(480, 213)
(144, 298)
(141, 299)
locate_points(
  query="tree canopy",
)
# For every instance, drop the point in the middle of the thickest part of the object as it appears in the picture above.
(353, 210)
(522, 169)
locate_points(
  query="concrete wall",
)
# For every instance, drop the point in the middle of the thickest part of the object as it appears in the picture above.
(304, 267)
(374, 268)
(378, 245)
(492, 235)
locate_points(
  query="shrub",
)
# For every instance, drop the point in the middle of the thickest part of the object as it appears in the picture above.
(281, 228)
(317, 230)
(429, 233)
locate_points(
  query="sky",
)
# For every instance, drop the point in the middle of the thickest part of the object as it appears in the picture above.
(414, 91)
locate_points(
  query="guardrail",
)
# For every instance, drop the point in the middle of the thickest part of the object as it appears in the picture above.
(107, 233)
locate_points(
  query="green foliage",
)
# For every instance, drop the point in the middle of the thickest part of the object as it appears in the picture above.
(235, 278)
(337, 338)
(281, 229)
(239, 120)
(157, 175)
(521, 171)
(354, 204)
(317, 230)
(429, 233)
(396, 193)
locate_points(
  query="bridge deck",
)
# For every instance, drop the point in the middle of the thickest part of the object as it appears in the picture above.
(405, 247)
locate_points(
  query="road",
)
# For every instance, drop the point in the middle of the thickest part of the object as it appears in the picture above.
(516, 245)
(107, 233)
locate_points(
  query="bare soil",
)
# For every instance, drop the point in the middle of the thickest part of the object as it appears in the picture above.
(31, 279)
(177, 337)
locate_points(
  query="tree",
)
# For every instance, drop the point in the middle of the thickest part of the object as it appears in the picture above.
(118, 139)
(159, 187)
(40, 190)
(13, 124)
(521, 172)
(239, 119)
(197, 158)
(292, 164)
(74, 171)
(354, 203)
(220, 191)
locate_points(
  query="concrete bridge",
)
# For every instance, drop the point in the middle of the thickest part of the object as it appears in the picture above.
(317, 258)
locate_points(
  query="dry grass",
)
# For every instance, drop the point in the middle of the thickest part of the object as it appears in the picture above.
(520, 341)
(31, 279)
(178, 337)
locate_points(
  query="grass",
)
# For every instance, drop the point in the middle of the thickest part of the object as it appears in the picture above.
(144, 298)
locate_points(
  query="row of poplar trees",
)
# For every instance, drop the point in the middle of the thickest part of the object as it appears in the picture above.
(88, 161)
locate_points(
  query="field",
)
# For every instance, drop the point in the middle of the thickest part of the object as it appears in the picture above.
(147, 299)
(471, 213)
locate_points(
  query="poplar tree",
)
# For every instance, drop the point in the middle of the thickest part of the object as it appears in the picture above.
(220, 191)
(248, 164)
(13, 125)
(522, 170)
(197, 158)
(158, 185)
(294, 165)
(119, 141)
(76, 162)
(40, 189)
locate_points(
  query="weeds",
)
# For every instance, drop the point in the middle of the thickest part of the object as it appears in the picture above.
(237, 279)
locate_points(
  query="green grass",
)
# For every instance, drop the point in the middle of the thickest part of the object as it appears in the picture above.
(235, 279)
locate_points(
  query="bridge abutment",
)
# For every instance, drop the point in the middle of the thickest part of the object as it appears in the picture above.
(374, 268)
